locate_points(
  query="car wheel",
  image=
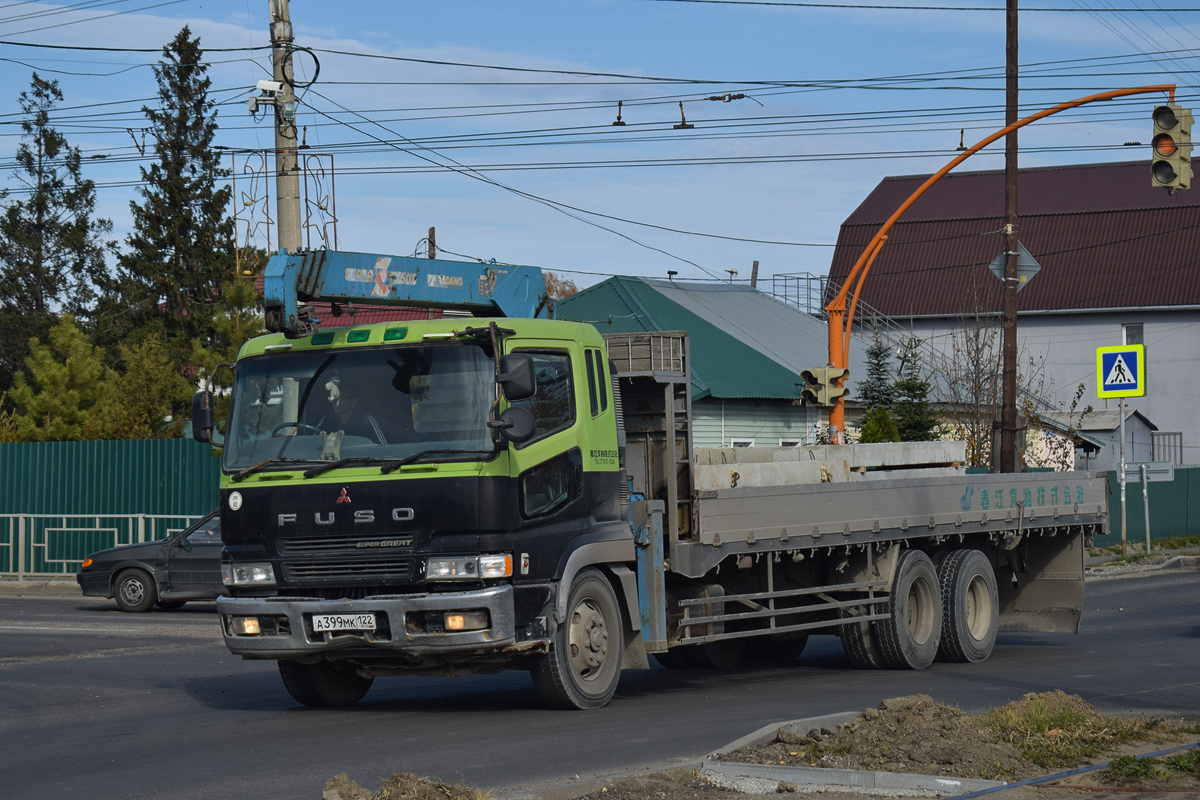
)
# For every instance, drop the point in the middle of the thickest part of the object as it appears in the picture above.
(171, 605)
(135, 591)
(325, 683)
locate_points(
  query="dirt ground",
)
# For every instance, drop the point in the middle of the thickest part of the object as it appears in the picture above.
(913, 734)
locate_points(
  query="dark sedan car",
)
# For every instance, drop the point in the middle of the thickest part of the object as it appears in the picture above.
(167, 572)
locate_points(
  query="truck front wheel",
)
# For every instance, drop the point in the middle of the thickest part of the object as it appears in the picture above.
(325, 683)
(584, 663)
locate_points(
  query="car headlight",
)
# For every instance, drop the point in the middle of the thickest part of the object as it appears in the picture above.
(247, 575)
(468, 568)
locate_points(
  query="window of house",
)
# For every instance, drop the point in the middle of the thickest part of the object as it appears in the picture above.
(741, 443)
(1134, 333)
(791, 442)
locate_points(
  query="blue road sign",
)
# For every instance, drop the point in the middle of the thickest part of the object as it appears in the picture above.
(1121, 371)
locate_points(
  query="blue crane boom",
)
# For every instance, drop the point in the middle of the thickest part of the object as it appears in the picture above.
(291, 280)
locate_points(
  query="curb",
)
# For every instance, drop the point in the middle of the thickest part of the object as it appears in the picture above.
(769, 776)
(813, 778)
(40, 587)
(1175, 564)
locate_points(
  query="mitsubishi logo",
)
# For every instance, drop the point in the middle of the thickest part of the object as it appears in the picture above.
(343, 497)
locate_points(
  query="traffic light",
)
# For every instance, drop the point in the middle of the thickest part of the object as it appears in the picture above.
(833, 391)
(1171, 165)
(820, 385)
(813, 386)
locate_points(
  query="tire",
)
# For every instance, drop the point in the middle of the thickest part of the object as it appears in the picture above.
(171, 605)
(583, 666)
(724, 654)
(777, 648)
(970, 607)
(325, 683)
(858, 638)
(909, 638)
(135, 591)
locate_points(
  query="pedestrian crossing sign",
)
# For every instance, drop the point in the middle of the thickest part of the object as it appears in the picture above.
(1121, 371)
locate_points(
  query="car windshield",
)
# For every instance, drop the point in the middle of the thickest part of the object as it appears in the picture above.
(381, 403)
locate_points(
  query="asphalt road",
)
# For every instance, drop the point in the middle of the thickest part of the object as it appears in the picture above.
(99, 704)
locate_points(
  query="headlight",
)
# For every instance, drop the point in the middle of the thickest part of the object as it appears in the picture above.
(247, 575)
(468, 568)
(495, 566)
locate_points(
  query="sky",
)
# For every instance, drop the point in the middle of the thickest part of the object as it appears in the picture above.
(492, 121)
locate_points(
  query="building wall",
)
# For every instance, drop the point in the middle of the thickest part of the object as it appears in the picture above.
(1068, 342)
(716, 423)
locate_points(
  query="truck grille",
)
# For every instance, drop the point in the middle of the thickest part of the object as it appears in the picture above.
(316, 545)
(392, 569)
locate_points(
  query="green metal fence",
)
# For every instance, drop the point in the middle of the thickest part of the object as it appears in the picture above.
(152, 476)
(1174, 508)
(61, 500)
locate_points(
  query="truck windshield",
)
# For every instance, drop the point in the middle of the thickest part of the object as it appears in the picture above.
(385, 403)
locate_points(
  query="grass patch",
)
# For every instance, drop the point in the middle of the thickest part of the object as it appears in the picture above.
(1175, 543)
(1055, 729)
(1132, 768)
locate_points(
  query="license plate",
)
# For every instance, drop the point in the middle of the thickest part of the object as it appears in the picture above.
(343, 622)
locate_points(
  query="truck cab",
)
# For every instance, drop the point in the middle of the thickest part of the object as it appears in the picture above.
(389, 502)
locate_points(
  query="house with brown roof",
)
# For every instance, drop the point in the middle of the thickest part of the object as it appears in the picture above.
(1119, 264)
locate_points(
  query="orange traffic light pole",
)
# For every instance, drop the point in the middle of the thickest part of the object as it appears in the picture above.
(840, 318)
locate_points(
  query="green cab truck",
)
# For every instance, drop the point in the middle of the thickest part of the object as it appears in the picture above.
(460, 495)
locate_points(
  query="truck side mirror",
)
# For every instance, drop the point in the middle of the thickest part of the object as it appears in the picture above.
(202, 416)
(515, 425)
(516, 377)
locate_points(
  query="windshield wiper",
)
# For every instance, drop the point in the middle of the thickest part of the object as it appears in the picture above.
(312, 472)
(389, 464)
(400, 462)
(237, 476)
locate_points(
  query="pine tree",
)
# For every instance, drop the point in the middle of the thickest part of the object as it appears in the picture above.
(180, 250)
(915, 418)
(67, 380)
(876, 391)
(52, 252)
(878, 426)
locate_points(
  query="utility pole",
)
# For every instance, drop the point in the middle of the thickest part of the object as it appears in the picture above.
(287, 170)
(1008, 413)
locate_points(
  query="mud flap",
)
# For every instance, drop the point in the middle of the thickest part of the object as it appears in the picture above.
(1041, 586)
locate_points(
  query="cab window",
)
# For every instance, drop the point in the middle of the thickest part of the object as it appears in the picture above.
(553, 405)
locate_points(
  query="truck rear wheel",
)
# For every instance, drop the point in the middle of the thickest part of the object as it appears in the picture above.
(325, 683)
(777, 648)
(858, 639)
(970, 606)
(583, 666)
(909, 638)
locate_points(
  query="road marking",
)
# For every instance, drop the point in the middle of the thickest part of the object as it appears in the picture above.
(68, 630)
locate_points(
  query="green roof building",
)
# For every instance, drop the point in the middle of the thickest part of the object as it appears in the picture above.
(747, 352)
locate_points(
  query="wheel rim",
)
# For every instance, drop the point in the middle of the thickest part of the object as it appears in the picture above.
(133, 591)
(920, 619)
(589, 639)
(977, 608)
